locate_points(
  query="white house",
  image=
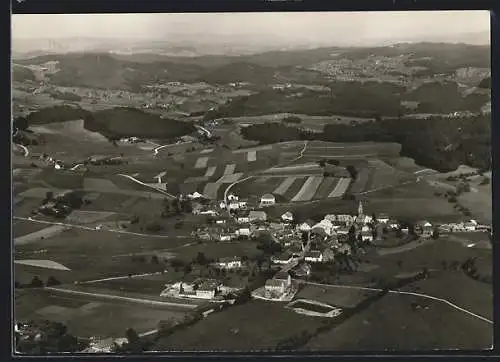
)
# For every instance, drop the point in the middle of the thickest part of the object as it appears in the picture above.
(234, 205)
(383, 218)
(342, 230)
(314, 256)
(230, 263)
(284, 258)
(267, 200)
(365, 228)
(276, 286)
(243, 232)
(345, 218)
(222, 205)
(225, 237)
(469, 226)
(326, 226)
(305, 226)
(232, 197)
(287, 217)
(208, 212)
(243, 219)
(367, 236)
(330, 217)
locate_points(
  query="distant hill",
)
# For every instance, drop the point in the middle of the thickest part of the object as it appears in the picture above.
(22, 74)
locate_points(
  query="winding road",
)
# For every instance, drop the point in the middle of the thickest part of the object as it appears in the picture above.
(82, 227)
(146, 185)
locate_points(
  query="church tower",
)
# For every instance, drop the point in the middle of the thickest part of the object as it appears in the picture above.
(360, 209)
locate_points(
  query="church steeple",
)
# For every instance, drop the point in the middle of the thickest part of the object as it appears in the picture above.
(360, 209)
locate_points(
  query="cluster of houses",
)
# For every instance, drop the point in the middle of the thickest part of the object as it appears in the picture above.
(200, 288)
(58, 206)
(468, 226)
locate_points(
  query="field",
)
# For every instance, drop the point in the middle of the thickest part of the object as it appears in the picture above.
(390, 324)
(45, 233)
(339, 297)
(308, 189)
(23, 227)
(47, 264)
(93, 254)
(86, 317)
(219, 250)
(252, 326)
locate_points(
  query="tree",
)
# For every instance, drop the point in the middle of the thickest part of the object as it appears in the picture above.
(201, 259)
(244, 296)
(36, 282)
(188, 269)
(334, 162)
(352, 171)
(49, 196)
(435, 234)
(322, 163)
(154, 259)
(52, 281)
(134, 344)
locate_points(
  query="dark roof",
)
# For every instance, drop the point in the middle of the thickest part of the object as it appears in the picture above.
(282, 275)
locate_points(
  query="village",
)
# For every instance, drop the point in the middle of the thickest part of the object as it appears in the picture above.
(294, 247)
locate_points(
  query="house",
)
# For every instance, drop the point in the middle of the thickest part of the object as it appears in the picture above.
(344, 218)
(324, 225)
(393, 224)
(208, 212)
(230, 263)
(383, 218)
(243, 232)
(220, 221)
(243, 219)
(470, 226)
(207, 289)
(225, 237)
(301, 270)
(342, 230)
(222, 205)
(427, 231)
(287, 217)
(314, 256)
(276, 286)
(367, 236)
(107, 345)
(257, 216)
(330, 217)
(267, 200)
(365, 228)
(328, 253)
(305, 226)
(284, 258)
(232, 198)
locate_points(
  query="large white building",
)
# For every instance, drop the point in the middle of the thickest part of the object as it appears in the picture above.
(267, 200)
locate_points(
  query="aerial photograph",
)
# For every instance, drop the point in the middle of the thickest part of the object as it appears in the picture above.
(251, 182)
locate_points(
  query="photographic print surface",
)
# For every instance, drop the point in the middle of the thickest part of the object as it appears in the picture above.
(252, 182)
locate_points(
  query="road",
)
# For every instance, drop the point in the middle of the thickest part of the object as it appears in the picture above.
(155, 151)
(146, 185)
(82, 227)
(24, 148)
(121, 298)
(399, 292)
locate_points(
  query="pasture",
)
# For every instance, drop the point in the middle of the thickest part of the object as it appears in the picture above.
(87, 317)
(218, 250)
(45, 233)
(253, 326)
(390, 324)
(25, 227)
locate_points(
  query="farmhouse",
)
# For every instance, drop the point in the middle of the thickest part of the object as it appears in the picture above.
(301, 270)
(243, 232)
(470, 226)
(344, 218)
(267, 200)
(257, 216)
(314, 256)
(287, 217)
(324, 225)
(284, 258)
(243, 219)
(230, 263)
(344, 230)
(367, 236)
(232, 198)
(305, 226)
(427, 231)
(276, 286)
(383, 218)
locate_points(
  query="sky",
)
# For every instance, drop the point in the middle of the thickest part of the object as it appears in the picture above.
(324, 27)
